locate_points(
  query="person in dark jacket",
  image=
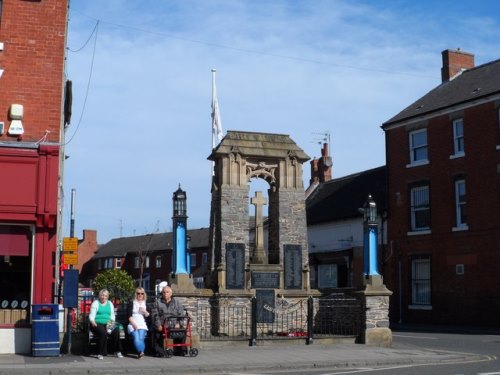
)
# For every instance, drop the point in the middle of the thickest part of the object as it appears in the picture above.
(162, 312)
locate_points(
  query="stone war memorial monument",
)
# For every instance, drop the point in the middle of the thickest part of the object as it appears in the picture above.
(238, 260)
(240, 265)
(260, 264)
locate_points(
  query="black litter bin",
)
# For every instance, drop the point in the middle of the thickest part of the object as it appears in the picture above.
(45, 330)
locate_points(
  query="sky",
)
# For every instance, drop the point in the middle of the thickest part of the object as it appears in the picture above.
(315, 70)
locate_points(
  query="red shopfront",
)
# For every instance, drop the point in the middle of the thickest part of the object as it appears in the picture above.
(28, 229)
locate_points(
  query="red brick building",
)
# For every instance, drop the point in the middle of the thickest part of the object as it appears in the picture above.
(32, 52)
(443, 168)
(87, 247)
(147, 258)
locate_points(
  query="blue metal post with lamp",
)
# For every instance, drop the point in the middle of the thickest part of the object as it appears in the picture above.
(375, 294)
(370, 238)
(180, 278)
(179, 218)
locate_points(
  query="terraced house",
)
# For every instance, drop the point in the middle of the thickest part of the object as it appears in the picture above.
(443, 169)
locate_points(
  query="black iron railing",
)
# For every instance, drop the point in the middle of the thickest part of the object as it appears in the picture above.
(221, 319)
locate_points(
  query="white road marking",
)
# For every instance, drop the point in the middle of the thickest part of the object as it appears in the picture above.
(416, 337)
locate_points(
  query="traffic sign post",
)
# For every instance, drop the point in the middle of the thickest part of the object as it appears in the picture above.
(70, 254)
(70, 258)
(70, 244)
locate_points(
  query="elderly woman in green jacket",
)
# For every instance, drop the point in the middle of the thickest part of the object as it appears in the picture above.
(102, 325)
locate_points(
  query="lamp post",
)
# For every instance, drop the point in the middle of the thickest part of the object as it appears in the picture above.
(375, 295)
(179, 218)
(370, 242)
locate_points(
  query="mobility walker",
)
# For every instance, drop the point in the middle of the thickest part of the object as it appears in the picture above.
(177, 338)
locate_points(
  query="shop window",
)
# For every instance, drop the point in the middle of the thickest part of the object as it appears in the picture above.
(15, 273)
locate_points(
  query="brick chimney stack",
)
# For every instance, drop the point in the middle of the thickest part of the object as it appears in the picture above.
(86, 247)
(321, 169)
(454, 62)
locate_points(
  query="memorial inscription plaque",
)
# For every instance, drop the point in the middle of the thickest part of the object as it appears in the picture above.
(235, 266)
(265, 280)
(265, 305)
(293, 266)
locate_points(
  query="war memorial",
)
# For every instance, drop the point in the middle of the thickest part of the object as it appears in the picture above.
(257, 286)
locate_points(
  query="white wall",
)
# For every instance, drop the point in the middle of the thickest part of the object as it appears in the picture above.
(338, 235)
(15, 340)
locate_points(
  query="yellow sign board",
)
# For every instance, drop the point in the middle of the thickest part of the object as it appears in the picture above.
(70, 244)
(71, 258)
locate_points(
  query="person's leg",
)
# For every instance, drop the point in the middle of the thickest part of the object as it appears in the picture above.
(102, 338)
(138, 339)
(159, 347)
(135, 339)
(141, 345)
(115, 340)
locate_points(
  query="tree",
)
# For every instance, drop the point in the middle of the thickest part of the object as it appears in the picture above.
(143, 252)
(118, 282)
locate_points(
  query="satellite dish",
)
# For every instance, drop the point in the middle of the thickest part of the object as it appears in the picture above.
(328, 161)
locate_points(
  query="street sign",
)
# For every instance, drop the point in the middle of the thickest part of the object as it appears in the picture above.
(70, 244)
(70, 258)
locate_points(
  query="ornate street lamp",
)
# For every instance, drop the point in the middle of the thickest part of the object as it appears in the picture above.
(370, 242)
(179, 218)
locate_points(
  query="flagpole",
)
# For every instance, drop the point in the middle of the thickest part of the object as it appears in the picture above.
(213, 107)
(213, 118)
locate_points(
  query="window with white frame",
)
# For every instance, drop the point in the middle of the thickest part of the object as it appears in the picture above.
(420, 208)
(204, 258)
(146, 262)
(137, 262)
(418, 146)
(118, 263)
(421, 280)
(193, 260)
(158, 261)
(458, 137)
(460, 203)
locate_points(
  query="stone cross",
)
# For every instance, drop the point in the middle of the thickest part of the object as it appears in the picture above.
(259, 255)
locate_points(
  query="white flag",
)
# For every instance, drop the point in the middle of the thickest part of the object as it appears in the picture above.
(217, 133)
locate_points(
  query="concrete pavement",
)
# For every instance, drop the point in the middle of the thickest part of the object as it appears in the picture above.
(241, 359)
